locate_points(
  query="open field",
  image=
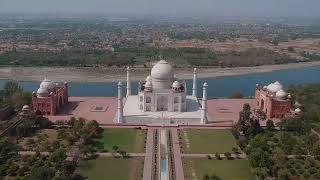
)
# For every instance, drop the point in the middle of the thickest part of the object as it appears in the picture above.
(225, 169)
(112, 169)
(311, 45)
(129, 140)
(207, 141)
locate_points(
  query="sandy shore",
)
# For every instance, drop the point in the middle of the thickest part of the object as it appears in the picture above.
(115, 74)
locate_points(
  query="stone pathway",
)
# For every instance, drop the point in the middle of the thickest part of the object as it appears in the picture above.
(177, 155)
(106, 154)
(213, 156)
(147, 170)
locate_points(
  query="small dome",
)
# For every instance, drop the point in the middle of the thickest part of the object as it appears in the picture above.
(297, 104)
(298, 110)
(25, 107)
(149, 78)
(47, 84)
(42, 92)
(281, 94)
(162, 71)
(175, 84)
(148, 84)
(274, 87)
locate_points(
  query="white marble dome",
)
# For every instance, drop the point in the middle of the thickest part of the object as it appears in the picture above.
(298, 110)
(274, 87)
(175, 84)
(149, 78)
(148, 84)
(25, 107)
(47, 84)
(42, 92)
(281, 94)
(162, 71)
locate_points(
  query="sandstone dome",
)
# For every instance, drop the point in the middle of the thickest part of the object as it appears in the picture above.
(162, 71)
(47, 84)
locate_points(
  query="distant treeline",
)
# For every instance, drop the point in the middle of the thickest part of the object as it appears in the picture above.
(180, 57)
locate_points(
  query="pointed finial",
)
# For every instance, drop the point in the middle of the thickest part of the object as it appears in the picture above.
(194, 70)
(205, 84)
(119, 83)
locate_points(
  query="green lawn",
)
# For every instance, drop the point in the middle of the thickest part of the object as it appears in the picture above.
(130, 140)
(207, 141)
(225, 169)
(112, 169)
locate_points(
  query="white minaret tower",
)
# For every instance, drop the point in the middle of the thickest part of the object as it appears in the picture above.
(194, 85)
(204, 104)
(128, 82)
(120, 105)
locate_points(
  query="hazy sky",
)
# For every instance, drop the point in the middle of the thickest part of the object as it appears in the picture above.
(298, 8)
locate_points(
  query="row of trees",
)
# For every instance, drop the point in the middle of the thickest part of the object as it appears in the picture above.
(293, 151)
(14, 95)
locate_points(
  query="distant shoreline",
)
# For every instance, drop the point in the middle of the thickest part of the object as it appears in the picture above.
(73, 74)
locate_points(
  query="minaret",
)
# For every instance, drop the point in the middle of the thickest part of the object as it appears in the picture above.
(204, 104)
(128, 82)
(120, 105)
(194, 85)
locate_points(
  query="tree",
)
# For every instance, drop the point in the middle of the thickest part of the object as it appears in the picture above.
(260, 158)
(41, 173)
(237, 95)
(58, 156)
(270, 125)
(21, 98)
(10, 88)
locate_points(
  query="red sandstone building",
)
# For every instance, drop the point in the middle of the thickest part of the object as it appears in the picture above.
(273, 101)
(49, 98)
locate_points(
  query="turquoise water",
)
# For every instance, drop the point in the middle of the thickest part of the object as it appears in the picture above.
(218, 87)
(164, 170)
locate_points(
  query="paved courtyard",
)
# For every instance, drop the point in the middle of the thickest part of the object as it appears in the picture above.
(101, 109)
(226, 111)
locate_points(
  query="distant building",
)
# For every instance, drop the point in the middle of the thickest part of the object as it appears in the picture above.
(273, 101)
(49, 98)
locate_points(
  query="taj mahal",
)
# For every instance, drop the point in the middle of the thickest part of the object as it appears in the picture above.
(162, 98)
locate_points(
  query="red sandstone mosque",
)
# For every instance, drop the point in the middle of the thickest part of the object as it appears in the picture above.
(49, 98)
(274, 101)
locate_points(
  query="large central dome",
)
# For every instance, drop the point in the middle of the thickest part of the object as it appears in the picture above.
(162, 71)
(162, 75)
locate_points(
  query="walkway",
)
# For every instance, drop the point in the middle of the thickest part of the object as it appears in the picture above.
(235, 156)
(177, 155)
(147, 170)
(107, 154)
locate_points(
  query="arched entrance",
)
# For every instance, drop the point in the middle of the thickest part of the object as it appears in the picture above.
(262, 104)
(60, 101)
(162, 103)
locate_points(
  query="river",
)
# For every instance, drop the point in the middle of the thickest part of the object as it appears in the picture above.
(218, 87)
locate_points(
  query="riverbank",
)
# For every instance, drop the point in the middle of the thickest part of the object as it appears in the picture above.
(116, 74)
